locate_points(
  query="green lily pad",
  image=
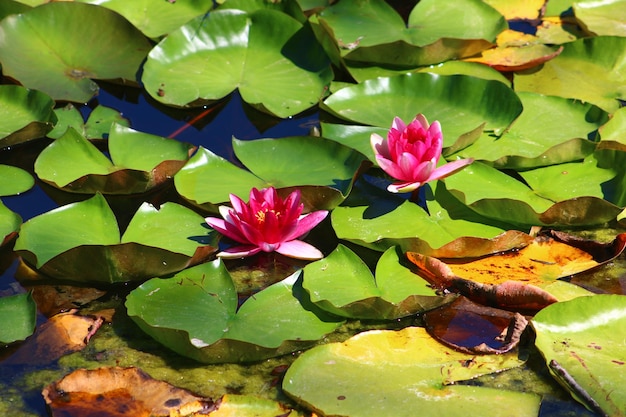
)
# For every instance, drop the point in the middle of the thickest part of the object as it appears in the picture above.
(81, 242)
(582, 341)
(14, 180)
(156, 18)
(275, 321)
(18, 313)
(97, 126)
(449, 99)
(139, 162)
(550, 130)
(270, 57)
(12, 7)
(373, 32)
(596, 66)
(324, 172)
(9, 224)
(612, 133)
(24, 114)
(41, 49)
(496, 195)
(604, 18)
(377, 219)
(343, 285)
(395, 373)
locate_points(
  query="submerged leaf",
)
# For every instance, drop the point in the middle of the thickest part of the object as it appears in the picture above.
(18, 313)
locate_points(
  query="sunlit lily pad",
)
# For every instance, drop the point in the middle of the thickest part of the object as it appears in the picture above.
(324, 173)
(497, 195)
(42, 50)
(582, 341)
(18, 313)
(523, 278)
(275, 321)
(267, 55)
(612, 133)
(9, 224)
(395, 373)
(449, 99)
(24, 114)
(81, 242)
(377, 219)
(373, 32)
(139, 161)
(156, 18)
(605, 18)
(97, 126)
(14, 180)
(518, 9)
(596, 66)
(342, 284)
(550, 130)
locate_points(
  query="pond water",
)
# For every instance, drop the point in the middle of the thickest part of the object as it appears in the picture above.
(121, 343)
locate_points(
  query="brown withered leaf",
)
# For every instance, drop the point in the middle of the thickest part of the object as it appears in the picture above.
(113, 392)
(513, 279)
(474, 328)
(62, 334)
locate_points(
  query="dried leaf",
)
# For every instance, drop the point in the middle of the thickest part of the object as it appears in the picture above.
(111, 392)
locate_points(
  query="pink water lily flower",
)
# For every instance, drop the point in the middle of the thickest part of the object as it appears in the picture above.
(267, 223)
(410, 154)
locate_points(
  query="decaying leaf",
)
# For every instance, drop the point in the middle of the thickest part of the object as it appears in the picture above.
(515, 279)
(62, 334)
(473, 328)
(118, 391)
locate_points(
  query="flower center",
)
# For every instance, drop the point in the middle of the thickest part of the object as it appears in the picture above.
(260, 215)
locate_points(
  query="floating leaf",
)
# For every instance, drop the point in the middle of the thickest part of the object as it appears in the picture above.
(62, 334)
(97, 125)
(518, 9)
(119, 392)
(395, 373)
(139, 162)
(582, 341)
(604, 18)
(494, 194)
(41, 50)
(81, 241)
(343, 285)
(550, 130)
(14, 180)
(24, 114)
(612, 132)
(594, 65)
(275, 321)
(156, 18)
(270, 57)
(518, 279)
(327, 177)
(375, 218)
(9, 224)
(448, 99)
(18, 313)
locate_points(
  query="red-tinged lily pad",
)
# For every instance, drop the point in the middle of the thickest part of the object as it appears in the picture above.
(271, 58)
(343, 285)
(325, 172)
(24, 115)
(582, 341)
(274, 321)
(62, 334)
(474, 328)
(120, 392)
(20, 311)
(81, 242)
(97, 126)
(395, 373)
(523, 279)
(41, 49)
(139, 162)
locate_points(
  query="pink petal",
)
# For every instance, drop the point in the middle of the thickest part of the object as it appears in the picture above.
(225, 228)
(238, 204)
(404, 187)
(421, 119)
(306, 223)
(300, 250)
(239, 252)
(398, 124)
(379, 145)
(389, 167)
(449, 169)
